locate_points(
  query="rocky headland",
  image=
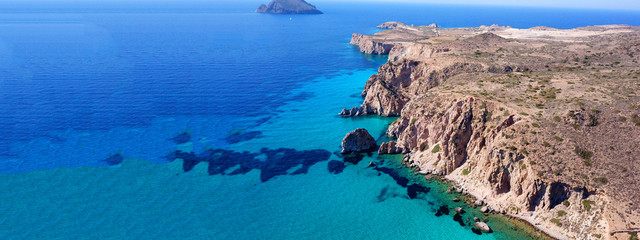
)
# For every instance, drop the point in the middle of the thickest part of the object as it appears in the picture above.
(541, 124)
(288, 7)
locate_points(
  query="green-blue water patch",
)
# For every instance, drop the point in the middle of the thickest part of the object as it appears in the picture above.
(143, 200)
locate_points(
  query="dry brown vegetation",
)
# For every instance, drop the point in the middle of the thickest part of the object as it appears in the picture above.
(575, 92)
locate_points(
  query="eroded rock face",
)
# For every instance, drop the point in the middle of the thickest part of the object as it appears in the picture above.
(457, 134)
(370, 46)
(358, 141)
(387, 92)
(390, 148)
(383, 42)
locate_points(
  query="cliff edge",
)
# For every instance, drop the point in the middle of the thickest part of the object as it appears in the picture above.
(288, 7)
(541, 124)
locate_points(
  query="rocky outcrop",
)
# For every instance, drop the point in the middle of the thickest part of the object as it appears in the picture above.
(395, 25)
(391, 25)
(355, 111)
(368, 45)
(358, 141)
(387, 92)
(482, 227)
(390, 148)
(484, 209)
(288, 7)
(382, 43)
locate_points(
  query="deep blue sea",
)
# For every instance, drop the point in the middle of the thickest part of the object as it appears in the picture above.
(209, 121)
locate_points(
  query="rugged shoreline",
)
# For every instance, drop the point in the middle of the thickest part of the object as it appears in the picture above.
(529, 222)
(541, 124)
(474, 197)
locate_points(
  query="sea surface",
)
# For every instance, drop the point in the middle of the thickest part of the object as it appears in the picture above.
(199, 120)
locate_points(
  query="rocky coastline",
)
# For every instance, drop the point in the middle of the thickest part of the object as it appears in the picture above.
(540, 124)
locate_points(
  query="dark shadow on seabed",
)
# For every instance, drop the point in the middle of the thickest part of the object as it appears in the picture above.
(270, 162)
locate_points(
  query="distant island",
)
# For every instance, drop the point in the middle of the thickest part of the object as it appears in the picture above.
(542, 124)
(288, 7)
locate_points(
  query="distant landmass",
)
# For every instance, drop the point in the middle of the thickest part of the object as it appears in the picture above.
(288, 7)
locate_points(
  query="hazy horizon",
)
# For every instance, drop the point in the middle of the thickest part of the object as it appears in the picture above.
(591, 4)
(633, 5)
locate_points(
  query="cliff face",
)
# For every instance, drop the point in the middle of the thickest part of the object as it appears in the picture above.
(370, 46)
(381, 43)
(527, 121)
(456, 136)
(288, 7)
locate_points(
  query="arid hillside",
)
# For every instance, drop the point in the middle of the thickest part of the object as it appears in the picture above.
(542, 124)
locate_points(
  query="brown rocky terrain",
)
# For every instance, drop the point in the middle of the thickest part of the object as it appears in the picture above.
(542, 124)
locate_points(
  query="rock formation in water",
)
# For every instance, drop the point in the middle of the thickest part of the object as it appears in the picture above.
(482, 227)
(541, 124)
(288, 7)
(358, 141)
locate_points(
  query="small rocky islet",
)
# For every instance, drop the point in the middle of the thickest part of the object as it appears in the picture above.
(288, 7)
(358, 141)
(511, 117)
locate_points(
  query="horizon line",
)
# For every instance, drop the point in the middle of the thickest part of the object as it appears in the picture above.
(490, 3)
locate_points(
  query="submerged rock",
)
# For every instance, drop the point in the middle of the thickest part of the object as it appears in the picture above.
(182, 138)
(358, 141)
(444, 209)
(288, 7)
(336, 167)
(482, 226)
(458, 218)
(114, 159)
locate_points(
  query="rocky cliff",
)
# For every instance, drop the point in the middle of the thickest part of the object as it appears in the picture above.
(381, 43)
(370, 46)
(288, 7)
(540, 124)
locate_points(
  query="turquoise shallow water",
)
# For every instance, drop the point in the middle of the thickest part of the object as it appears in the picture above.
(142, 200)
(101, 104)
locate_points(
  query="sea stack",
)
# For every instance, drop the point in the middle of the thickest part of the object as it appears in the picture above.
(358, 141)
(288, 7)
